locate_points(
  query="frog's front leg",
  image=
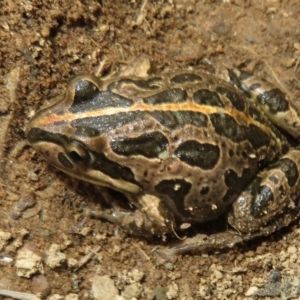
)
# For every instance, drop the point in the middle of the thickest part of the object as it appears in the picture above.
(149, 216)
(271, 201)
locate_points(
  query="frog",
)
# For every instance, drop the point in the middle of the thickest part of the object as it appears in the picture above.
(183, 147)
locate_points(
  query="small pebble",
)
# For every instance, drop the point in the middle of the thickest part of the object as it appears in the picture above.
(169, 266)
(275, 275)
(40, 286)
(103, 288)
(133, 291)
(292, 250)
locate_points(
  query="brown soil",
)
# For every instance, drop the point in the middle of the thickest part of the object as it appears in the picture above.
(43, 44)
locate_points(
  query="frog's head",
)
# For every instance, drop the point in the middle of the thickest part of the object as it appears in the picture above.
(68, 135)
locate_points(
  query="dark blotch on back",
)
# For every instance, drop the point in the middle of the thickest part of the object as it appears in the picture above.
(185, 78)
(204, 156)
(227, 126)
(149, 145)
(207, 97)
(176, 189)
(167, 96)
(178, 119)
(289, 168)
(106, 123)
(257, 137)
(88, 97)
(274, 99)
(236, 99)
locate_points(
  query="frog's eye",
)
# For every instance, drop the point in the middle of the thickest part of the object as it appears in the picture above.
(85, 90)
(79, 153)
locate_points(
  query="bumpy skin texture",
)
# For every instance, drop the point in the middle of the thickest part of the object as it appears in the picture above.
(182, 147)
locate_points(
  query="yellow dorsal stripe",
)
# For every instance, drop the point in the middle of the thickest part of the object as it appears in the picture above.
(174, 107)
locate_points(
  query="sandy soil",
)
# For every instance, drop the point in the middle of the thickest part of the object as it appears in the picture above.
(44, 234)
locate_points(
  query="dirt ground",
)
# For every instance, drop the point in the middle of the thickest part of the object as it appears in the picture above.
(48, 246)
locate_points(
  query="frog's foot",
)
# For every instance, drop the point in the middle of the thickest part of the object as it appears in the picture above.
(227, 239)
(202, 242)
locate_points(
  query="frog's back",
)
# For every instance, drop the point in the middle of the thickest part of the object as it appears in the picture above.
(191, 139)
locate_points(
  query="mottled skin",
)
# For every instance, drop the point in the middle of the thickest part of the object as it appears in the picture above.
(183, 147)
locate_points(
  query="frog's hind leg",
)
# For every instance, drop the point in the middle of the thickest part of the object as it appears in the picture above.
(276, 104)
(275, 190)
(271, 201)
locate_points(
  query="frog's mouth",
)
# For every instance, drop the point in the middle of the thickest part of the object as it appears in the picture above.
(75, 159)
